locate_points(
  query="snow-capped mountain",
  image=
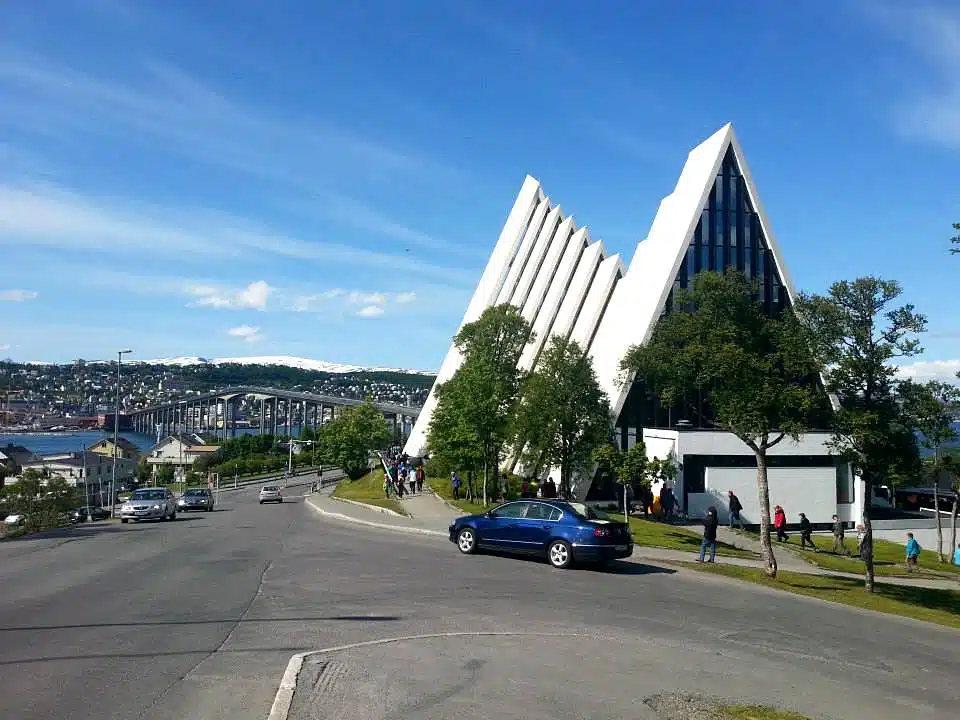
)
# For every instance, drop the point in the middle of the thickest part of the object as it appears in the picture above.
(297, 362)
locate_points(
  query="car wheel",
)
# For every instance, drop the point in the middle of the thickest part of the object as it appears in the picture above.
(560, 554)
(261, 502)
(467, 541)
(123, 520)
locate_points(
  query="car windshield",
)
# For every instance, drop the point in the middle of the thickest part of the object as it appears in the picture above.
(589, 513)
(196, 492)
(149, 495)
(269, 488)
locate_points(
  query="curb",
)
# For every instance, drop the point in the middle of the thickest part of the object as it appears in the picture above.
(370, 523)
(447, 502)
(283, 700)
(375, 508)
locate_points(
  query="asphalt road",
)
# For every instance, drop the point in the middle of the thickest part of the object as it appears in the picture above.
(198, 618)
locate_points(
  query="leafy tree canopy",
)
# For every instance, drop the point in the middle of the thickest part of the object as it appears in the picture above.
(348, 440)
(564, 415)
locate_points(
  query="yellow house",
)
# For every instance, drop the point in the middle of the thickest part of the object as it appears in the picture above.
(125, 449)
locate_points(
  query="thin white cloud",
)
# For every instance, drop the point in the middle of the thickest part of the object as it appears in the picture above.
(370, 311)
(360, 298)
(923, 370)
(48, 216)
(254, 296)
(405, 297)
(17, 295)
(4, 347)
(247, 333)
(197, 121)
(931, 108)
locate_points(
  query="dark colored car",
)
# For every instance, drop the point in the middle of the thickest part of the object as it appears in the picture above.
(196, 499)
(82, 514)
(563, 532)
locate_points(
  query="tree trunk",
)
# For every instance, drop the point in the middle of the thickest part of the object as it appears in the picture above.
(936, 510)
(484, 479)
(866, 553)
(763, 491)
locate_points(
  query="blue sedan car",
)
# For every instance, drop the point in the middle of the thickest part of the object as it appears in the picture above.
(563, 532)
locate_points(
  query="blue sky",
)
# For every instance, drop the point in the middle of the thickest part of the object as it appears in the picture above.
(210, 177)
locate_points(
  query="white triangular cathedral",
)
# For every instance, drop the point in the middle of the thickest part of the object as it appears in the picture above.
(566, 284)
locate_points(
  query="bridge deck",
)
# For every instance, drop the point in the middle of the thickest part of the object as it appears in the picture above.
(295, 396)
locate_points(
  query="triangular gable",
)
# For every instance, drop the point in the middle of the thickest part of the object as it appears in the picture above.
(642, 295)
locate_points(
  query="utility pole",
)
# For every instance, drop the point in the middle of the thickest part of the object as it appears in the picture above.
(116, 433)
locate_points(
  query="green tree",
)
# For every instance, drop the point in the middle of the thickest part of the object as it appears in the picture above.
(629, 467)
(756, 371)
(347, 441)
(931, 408)
(453, 443)
(563, 415)
(858, 332)
(480, 400)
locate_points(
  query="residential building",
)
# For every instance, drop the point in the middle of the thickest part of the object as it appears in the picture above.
(15, 456)
(566, 284)
(83, 468)
(125, 448)
(179, 450)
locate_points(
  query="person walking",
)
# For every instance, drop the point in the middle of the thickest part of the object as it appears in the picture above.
(956, 556)
(913, 553)
(838, 547)
(666, 502)
(735, 507)
(806, 533)
(420, 477)
(780, 524)
(455, 484)
(710, 523)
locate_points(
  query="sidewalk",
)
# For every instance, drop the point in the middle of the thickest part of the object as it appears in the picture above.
(791, 560)
(430, 515)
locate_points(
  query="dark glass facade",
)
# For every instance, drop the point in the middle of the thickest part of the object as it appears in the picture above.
(728, 234)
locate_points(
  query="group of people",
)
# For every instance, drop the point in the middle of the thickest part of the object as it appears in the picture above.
(402, 474)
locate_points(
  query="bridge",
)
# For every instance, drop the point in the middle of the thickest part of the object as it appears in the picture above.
(275, 411)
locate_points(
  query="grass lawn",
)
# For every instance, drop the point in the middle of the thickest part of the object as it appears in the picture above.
(368, 490)
(932, 605)
(645, 532)
(758, 712)
(888, 558)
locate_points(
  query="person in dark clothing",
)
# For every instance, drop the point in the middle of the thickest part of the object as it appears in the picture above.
(710, 523)
(666, 502)
(646, 500)
(838, 547)
(420, 477)
(735, 508)
(806, 530)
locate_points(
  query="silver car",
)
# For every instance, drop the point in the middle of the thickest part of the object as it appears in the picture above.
(270, 493)
(196, 499)
(149, 504)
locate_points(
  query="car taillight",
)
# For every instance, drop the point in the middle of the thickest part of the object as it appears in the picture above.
(600, 532)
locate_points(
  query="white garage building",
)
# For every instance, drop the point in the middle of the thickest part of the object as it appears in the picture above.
(567, 284)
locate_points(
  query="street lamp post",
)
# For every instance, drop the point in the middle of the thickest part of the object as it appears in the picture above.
(290, 443)
(116, 433)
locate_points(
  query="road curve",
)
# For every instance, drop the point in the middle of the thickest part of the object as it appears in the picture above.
(198, 619)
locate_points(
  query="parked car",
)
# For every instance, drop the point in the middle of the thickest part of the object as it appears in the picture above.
(270, 493)
(563, 532)
(88, 512)
(149, 504)
(196, 499)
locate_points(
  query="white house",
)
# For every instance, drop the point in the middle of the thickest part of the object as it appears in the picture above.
(566, 284)
(79, 468)
(179, 450)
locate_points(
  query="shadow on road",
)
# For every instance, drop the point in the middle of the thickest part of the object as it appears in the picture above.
(214, 621)
(619, 567)
(85, 530)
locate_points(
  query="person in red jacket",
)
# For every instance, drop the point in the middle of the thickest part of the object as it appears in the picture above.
(780, 523)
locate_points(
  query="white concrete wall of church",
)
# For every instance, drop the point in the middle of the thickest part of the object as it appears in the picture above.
(927, 537)
(808, 490)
